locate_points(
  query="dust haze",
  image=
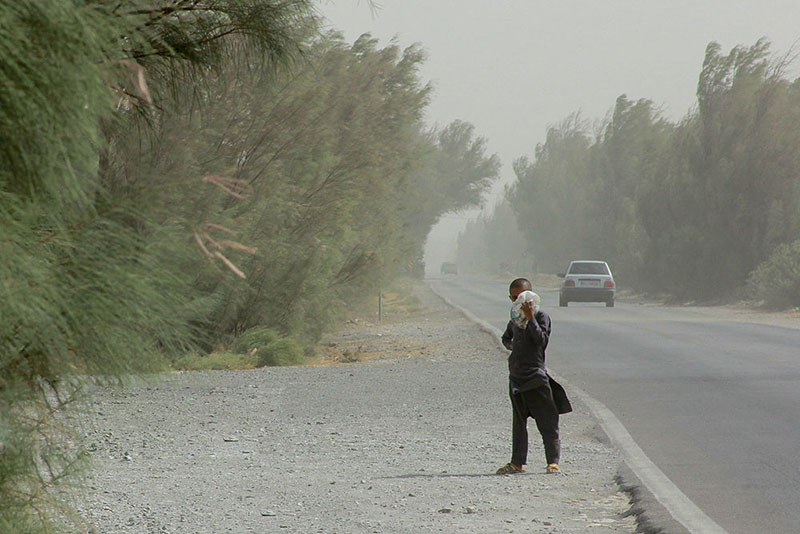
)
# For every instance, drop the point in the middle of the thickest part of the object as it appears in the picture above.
(515, 69)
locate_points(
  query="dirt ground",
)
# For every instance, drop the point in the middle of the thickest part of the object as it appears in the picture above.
(398, 428)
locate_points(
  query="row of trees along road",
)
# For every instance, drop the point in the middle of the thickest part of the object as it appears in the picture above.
(176, 176)
(704, 209)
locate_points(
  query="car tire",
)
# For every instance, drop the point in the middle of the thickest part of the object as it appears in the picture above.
(610, 303)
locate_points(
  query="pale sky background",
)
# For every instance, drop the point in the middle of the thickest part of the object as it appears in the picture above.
(514, 67)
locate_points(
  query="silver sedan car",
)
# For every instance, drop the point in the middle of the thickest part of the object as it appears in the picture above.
(587, 281)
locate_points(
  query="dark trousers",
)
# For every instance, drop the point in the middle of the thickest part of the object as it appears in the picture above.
(536, 403)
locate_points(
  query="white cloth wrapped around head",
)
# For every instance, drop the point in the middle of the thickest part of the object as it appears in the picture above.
(517, 315)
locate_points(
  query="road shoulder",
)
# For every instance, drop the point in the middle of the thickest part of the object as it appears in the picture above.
(405, 439)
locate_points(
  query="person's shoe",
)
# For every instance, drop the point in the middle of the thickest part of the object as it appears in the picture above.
(553, 468)
(510, 469)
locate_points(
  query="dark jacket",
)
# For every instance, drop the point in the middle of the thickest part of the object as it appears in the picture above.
(526, 363)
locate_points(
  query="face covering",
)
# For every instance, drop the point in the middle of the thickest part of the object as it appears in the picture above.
(517, 315)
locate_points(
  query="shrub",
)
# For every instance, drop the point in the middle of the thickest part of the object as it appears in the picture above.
(216, 361)
(270, 347)
(776, 282)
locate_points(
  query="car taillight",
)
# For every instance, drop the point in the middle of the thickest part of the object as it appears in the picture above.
(609, 283)
(569, 283)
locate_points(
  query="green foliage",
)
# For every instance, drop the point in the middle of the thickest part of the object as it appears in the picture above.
(550, 193)
(50, 74)
(89, 288)
(776, 281)
(215, 361)
(175, 175)
(585, 191)
(329, 166)
(270, 348)
(727, 195)
(687, 209)
(72, 303)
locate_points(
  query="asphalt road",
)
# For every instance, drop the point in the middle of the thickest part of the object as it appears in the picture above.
(713, 401)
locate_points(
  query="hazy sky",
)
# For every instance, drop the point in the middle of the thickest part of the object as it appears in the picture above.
(513, 67)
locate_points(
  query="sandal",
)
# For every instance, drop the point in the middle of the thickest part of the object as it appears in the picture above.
(510, 469)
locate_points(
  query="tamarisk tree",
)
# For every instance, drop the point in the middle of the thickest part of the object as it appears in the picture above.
(179, 175)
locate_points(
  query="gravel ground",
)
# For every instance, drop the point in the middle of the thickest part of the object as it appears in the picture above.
(399, 429)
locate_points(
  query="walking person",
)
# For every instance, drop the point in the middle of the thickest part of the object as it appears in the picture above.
(533, 391)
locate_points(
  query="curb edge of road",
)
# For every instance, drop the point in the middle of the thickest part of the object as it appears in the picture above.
(668, 495)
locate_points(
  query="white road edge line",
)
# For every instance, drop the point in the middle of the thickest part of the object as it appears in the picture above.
(686, 512)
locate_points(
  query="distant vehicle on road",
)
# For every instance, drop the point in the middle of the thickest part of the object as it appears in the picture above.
(587, 281)
(449, 267)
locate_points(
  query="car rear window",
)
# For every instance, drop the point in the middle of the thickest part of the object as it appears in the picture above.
(588, 268)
